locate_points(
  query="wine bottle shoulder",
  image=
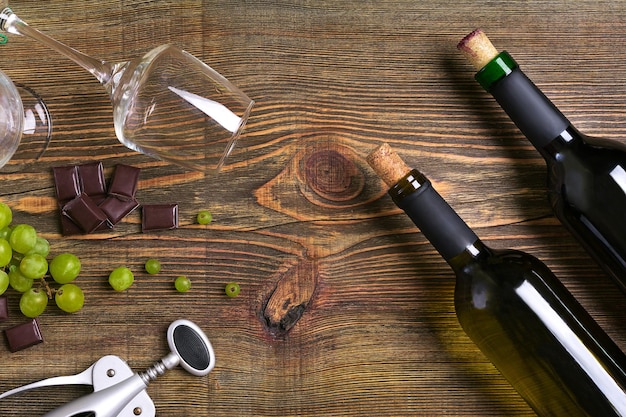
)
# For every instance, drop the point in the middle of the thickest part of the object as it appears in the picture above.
(587, 191)
(588, 168)
(498, 267)
(573, 140)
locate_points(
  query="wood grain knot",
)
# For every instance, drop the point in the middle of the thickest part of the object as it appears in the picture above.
(291, 296)
(325, 180)
(333, 176)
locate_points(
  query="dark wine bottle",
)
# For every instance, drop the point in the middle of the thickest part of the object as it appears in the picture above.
(515, 310)
(586, 176)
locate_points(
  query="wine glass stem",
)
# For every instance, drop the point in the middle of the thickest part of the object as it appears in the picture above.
(102, 70)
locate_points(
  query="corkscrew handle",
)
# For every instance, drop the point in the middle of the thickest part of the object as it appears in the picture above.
(191, 346)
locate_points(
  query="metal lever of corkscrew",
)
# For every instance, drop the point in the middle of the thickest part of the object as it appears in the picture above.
(118, 392)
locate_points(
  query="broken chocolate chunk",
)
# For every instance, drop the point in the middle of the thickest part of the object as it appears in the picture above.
(23, 335)
(4, 308)
(91, 177)
(116, 209)
(159, 217)
(68, 227)
(66, 183)
(85, 213)
(124, 182)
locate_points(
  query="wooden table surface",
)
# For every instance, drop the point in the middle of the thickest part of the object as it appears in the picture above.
(345, 309)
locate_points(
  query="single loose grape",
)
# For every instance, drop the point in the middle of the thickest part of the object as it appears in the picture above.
(6, 215)
(6, 252)
(33, 302)
(69, 298)
(17, 281)
(121, 278)
(182, 284)
(232, 289)
(204, 217)
(42, 247)
(34, 266)
(4, 281)
(153, 266)
(65, 268)
(23, 238)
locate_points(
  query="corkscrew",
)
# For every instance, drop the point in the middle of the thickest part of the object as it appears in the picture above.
(120, 392)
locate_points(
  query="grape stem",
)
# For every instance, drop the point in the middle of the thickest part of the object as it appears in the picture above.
(48, 289)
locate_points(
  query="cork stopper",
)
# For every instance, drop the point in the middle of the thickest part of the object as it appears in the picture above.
(387, 164)
(477, 48)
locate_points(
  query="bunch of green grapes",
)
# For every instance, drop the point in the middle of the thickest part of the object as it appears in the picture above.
(24, 267)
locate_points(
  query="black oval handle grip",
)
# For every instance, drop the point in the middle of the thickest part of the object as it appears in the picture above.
(192, 347)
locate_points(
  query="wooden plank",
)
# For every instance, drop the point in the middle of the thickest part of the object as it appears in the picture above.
(345, 309)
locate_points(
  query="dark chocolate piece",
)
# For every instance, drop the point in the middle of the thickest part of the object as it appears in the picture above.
(68, 227)
(4, 308)
(66, 183)
(124, 182)
(159, 217)
(116, 209)
(92, 181)
(23, 335)
(85, 213)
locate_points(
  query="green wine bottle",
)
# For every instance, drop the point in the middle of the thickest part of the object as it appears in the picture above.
(515, 310)
(586, 176)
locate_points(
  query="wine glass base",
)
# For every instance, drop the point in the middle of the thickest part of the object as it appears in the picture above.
(36, 133)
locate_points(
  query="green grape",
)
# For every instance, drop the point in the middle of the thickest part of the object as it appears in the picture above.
(4, 281)
(33, 302)
(182, 284)
(6, 215)
(34, 266)
(5, 232)
(23, 238)
(42, 247)
(153, 266)
(204, 217)
(121, 278)
(232, 289)
(17, 281)
(65, 268)
(6, 252)
(69, 298)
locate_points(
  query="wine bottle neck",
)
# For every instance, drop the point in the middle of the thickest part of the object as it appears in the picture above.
(441, 225)
(533, 113)
(495, 70)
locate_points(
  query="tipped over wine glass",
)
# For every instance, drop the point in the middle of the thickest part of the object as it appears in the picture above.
(166, 104)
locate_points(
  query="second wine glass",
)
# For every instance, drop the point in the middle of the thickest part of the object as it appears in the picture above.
(25, 126)
(166, 104)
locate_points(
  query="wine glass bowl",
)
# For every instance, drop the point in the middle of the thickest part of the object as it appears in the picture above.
(11, 118)
(167, 104)
(170, 105)
(25, 126)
